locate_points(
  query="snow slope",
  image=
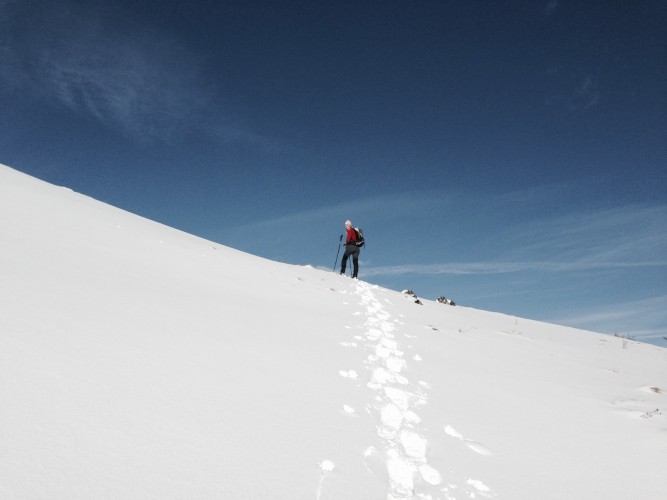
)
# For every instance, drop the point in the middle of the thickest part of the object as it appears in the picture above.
(137, 361)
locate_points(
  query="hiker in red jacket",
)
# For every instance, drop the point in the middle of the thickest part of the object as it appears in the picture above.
(351, 249)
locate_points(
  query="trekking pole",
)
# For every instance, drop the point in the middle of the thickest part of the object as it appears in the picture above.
(340, 241)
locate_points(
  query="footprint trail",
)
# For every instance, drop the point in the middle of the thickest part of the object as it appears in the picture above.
(395, 404)
(399, 456)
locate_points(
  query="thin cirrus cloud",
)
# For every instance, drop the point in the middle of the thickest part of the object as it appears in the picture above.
(614, 239)
(504, 267)
(122, 86)
(632, 235)
(585, 95)
(623, 319)
(144, 83)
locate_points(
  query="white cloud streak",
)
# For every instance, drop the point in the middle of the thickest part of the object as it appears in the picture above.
(146, 83)
(389, 205)
(505, 267)
(634, 233)
(641, 319)
(119, 84)
(618, 238)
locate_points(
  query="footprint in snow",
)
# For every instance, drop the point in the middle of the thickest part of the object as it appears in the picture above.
(481, 488)
(401, 474)
(402, 399)
(348, 410)
(414, 445)
(430, 475)
(473, 445)
(391, 418)
(326, 466)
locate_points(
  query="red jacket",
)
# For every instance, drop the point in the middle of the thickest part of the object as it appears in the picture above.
(351, 236)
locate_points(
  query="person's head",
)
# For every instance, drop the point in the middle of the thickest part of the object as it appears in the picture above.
(348, 224)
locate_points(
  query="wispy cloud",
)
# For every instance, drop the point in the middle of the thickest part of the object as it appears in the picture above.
(506, 267)
(551, 6)
(144, 82)
(572, 91)
(631, 237)
(390, 207)
(643, 318)
(118, 83)
(629, 234)
(585, 95)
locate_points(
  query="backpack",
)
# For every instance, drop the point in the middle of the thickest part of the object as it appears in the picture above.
(360, 236)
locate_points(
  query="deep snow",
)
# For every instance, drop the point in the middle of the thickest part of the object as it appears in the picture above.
(137, 361)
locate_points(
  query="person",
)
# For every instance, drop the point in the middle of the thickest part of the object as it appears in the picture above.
(351, 250)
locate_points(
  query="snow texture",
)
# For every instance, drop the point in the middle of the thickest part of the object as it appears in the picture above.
(137, 361)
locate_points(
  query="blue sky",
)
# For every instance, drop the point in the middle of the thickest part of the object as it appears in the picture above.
(509, 155)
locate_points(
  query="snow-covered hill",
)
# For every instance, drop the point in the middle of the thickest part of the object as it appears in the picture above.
(137, 361)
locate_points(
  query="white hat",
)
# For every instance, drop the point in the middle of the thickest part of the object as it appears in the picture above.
(348, 222)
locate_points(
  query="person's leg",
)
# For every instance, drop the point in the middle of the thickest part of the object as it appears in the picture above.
(355, 263)
(343, 262)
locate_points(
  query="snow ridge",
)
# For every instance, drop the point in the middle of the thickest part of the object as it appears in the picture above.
(137, 361)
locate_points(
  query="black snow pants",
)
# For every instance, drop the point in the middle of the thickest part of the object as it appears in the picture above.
(351, 250)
